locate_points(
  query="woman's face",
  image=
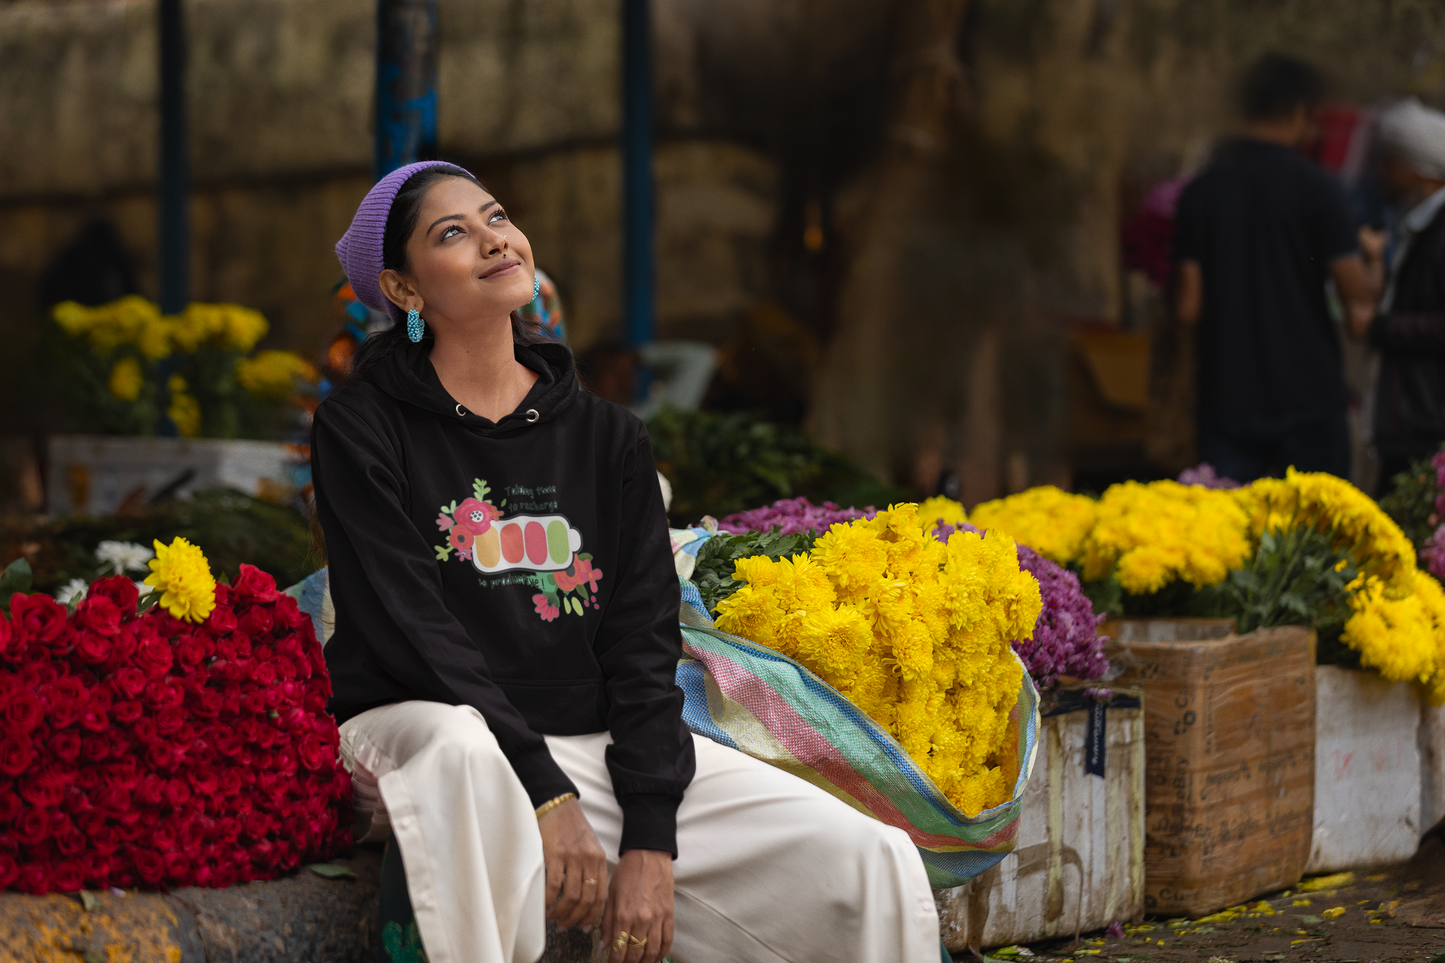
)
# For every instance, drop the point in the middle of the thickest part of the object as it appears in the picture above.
(466, 260)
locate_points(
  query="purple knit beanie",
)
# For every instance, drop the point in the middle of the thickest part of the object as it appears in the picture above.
(359, 249)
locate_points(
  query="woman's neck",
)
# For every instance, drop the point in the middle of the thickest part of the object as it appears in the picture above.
(478, 368)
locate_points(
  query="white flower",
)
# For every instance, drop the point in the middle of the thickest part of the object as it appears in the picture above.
(73, 592)
(123, 556)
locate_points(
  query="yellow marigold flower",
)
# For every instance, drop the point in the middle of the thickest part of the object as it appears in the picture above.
(1337, 508)
(199, 324)
(183, 577)
(273, 375)
(128, 320)
(942, 510)
(1403, 639)
(184, 410)
(915, 633)
(153, 338)
(1156, 533)
(126, 380)
(74, 318)
(1049, 520)
(243, 327)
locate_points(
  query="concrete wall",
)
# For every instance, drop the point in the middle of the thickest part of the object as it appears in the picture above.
(280, 94)
(767, 109)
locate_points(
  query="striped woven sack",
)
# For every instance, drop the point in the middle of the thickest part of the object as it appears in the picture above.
(759, 701)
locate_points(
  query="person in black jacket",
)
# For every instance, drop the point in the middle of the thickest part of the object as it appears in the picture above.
(1260, 232)
(1409, 328)
(507, 638)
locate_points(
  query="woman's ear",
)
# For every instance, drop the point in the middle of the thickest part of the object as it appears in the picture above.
(399, 290)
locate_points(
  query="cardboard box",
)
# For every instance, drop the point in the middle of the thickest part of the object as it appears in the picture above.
(1230, 747)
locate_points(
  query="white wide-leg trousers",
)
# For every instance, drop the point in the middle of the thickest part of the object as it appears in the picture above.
(770, 868)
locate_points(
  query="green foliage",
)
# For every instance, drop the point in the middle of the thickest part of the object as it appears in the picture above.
(17, 578)
(331, 871)
(1412, 503)
(724, 463)
(228, 526)
(1295, 578)
(713, 575)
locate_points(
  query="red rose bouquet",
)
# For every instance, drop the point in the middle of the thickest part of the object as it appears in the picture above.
(179, 740)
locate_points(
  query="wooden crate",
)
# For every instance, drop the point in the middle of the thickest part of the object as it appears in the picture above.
(1230, 747)
(1080, 856)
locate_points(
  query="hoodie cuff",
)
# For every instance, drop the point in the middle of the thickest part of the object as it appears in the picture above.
(649, 821)
(543, 779)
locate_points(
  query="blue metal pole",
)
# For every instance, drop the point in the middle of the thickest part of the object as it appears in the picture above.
(174, 183)
(406, 83)
(637, 199)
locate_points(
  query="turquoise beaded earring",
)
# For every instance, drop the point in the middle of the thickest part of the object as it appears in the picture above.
(414, 325)
(536, 286)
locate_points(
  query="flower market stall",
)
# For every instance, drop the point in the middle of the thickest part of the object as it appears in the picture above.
(1081, 826)
(173, 738)
(1307, 550)
(129, 374)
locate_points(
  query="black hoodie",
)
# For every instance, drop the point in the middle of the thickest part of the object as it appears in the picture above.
(521, 567)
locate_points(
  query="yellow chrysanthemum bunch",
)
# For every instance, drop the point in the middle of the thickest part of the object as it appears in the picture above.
(1152, 534)
(1337, 508)
(1048, 520)
(1403, 639)
(126, 380)
(182, 575)
(941, 511)
(132, 320)
(129, 320)
(914, 632)
(184, 410)
(274, 375)
(229, 326)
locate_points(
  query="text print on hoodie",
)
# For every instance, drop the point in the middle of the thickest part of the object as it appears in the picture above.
(521, 567)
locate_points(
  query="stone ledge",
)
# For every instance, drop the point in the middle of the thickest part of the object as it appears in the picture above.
(298, 917)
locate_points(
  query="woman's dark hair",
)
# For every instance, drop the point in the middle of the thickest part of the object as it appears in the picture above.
(400, 223)
(1274, 85)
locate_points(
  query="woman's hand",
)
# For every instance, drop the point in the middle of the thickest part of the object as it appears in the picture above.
(576, 866)
(640, 907)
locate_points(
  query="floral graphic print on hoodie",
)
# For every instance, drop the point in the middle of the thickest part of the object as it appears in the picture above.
(521, 567)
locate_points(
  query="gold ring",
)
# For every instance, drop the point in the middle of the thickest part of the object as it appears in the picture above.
(635, 942)
(621, 942)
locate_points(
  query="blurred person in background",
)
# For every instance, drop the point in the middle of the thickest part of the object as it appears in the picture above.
(1260, 232)
(1409, 328)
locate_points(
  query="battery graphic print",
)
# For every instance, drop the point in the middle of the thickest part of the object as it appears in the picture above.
(535, 547)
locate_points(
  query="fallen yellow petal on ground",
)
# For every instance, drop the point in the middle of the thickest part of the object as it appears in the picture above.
(1326, 882)
(1333, 913)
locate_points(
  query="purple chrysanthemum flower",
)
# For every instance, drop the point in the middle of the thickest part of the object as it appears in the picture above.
(1205, 476)
(794, 516)
(1433, 553)
(1439, 462)
(1066, 640)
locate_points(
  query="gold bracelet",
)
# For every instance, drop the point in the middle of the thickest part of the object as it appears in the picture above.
(552, 804)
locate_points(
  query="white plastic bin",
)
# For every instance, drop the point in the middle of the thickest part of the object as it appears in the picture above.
(1367, 770)
(95, 474)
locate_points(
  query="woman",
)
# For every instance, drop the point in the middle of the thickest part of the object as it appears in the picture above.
(507, 636)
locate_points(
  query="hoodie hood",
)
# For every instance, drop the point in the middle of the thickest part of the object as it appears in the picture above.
(408, 376)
